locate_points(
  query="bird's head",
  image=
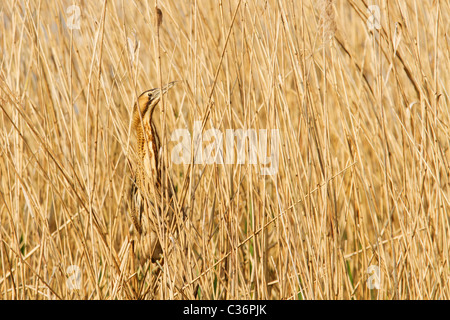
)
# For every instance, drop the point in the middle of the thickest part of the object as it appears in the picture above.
(149, 99)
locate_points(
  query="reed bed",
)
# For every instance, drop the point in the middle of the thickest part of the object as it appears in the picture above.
(357, 208)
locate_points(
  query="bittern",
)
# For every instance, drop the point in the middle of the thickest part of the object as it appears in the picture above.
(146, 192)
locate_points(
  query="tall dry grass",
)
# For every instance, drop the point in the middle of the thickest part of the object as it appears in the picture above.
(363, 119)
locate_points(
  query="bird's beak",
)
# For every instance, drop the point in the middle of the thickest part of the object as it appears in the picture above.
(166, 88)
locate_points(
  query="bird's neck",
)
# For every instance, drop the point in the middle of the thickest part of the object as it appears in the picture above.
(148, 143)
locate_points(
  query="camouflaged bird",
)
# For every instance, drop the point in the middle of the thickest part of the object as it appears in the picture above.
(145, 200)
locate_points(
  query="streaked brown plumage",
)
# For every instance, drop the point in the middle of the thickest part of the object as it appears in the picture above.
(146, 189)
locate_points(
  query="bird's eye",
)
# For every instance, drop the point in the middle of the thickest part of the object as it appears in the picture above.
(149, 94)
